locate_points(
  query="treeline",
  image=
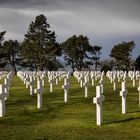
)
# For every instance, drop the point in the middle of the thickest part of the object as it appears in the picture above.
(41, 51)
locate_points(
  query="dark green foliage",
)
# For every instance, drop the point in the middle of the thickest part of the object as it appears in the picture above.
(122, 55)
(11, 51)
(76, 52)
(137, 63)
(2, 37)
(95, 53)
(107, 65)
(40, 47)
(9, 54)
(2, 64)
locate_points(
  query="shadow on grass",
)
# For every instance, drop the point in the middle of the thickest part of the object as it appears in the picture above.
(122, 121)
(136, 111)
(18, 102)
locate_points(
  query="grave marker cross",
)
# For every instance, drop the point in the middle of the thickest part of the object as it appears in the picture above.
(123, 93)
(98, 101)
(3, 95)
(66, 86)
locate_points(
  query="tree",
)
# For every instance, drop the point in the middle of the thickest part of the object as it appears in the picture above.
(76, 52)
(2, 37)
(39, 47)
(107, 65)
(2, 64)
(122, 55)
(11, 54)
(137, 63)
(95, 56)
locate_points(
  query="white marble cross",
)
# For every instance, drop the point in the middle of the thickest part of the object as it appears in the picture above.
(3, 95)
(51, 80)
(139, 91)
(56, 78)
(134, 79)
(101, 82)
(81, 80)
(92, 80)
(123, 93)
(124, 76)
(118, 76)
(39, 91)
(137, 75)
(86, 86)
(24, 78)
(43, 81)
(31, 85)
(114, 83)
(66, 86)
(42, 77)
(68, 78)
(27, 81)
(96, 76)
(68, 75)
(98, 101)
(6, 87)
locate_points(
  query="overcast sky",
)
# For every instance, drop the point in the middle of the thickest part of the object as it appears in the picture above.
(105, 22)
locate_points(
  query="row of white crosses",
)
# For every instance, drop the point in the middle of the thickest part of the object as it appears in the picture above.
(134, 75)
(112, 78)
(83, 77)
(121, 75)
(39, 89)
(114, 75)
(100, 98)
(93, 75)
(29, 80)
(99, 91)
(4, 93)
(54, 77)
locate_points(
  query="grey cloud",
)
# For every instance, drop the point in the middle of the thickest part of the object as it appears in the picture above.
(102, 19)
(125, 8)
(96, 14)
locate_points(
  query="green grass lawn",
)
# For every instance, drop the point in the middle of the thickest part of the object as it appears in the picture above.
(75, 120)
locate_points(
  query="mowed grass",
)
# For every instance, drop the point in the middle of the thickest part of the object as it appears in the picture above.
(75, 120)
